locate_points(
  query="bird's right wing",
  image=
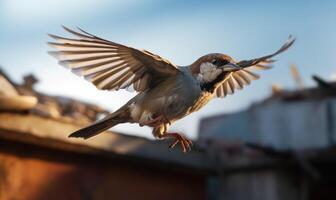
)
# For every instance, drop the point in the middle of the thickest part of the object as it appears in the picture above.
(108, 65)
(239, 79)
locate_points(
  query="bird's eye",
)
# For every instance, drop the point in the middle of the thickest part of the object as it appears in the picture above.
(215, 62)
(219, 62)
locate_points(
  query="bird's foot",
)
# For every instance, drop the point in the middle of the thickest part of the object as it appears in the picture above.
(178, 138)
(156, 121)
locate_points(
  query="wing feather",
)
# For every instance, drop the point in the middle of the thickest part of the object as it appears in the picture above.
(108, 65)
(236, 81)
(243, 77)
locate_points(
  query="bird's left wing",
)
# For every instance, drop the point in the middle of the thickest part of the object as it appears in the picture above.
(108, 65)
(239, 79)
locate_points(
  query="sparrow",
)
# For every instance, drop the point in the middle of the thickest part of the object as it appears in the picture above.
(166, 92)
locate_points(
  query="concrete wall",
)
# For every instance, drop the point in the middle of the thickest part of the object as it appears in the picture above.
(292, 125)
(281, 124)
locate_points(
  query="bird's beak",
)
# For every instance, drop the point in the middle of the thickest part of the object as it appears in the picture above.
(231, 67)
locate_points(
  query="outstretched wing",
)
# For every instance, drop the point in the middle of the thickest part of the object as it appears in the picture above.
(108, 65)
(237, 80)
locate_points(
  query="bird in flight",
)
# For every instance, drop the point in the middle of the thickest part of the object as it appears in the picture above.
(166, 92)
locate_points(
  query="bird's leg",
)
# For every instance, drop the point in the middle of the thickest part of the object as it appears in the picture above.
(178, 138)
(160, 125)
(157, 121)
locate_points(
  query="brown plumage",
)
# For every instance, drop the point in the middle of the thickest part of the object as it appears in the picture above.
(166, 92)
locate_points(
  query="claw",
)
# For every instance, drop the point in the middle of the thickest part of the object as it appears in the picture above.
(173, 144)
(185, 142)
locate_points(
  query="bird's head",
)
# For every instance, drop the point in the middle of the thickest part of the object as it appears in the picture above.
(212, 68)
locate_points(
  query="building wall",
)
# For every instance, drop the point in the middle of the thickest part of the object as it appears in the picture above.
(281, 124)
(28, 172)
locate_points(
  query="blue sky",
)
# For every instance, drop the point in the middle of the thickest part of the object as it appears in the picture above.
(180, 31)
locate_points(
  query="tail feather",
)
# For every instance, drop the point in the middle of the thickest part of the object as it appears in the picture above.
(96, 128)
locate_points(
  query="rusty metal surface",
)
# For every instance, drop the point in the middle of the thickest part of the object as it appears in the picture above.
(35, 173)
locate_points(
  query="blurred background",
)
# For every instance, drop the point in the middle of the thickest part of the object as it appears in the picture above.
(274, 140)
